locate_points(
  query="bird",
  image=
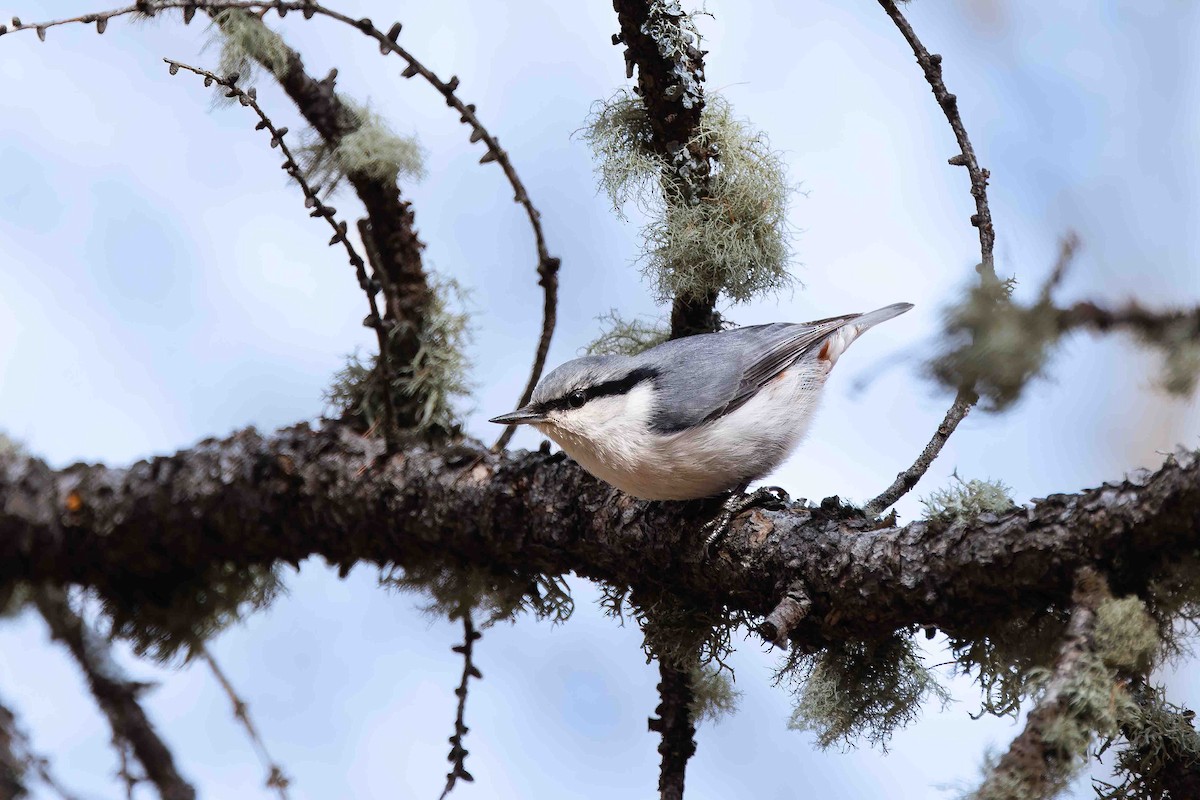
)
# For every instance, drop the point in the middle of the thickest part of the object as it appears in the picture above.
(698, 416)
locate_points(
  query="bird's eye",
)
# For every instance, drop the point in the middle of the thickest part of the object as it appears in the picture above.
(576, 398)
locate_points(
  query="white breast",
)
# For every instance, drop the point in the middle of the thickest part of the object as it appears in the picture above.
(724, 454)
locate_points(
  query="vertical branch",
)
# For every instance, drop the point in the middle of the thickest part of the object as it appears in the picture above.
(674, 723)
(458, 753)
(671, 84)
(931, 65)
(116, 695)
(276, 778)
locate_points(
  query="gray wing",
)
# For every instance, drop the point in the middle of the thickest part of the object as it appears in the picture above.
(731, 367)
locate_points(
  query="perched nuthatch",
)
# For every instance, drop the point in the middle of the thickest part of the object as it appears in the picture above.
(697, 416)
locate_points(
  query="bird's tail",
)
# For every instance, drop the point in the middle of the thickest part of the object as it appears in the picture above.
(854, 327)
(872, 318)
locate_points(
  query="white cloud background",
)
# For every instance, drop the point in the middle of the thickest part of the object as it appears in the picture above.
(159, 283)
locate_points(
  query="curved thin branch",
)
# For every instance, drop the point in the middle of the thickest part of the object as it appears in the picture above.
(132, 535)
(369, 284)
(547, 266)
(931, 65)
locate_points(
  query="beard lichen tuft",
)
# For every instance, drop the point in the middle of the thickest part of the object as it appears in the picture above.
(626, 337)
(437, 375)
(854, 690)
(497, 596)
(994, 345)
(967, 500)
(733, 236)
(178, 616)
(247, 43)
(713, 695)
(371, 150)
(1126, 635)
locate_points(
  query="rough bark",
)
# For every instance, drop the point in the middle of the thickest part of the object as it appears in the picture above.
(134, 534)
(674, 722)
(671, 85)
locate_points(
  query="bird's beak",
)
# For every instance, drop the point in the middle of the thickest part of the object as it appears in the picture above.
(524, 415)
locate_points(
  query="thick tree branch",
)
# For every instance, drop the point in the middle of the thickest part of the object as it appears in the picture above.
(116, 695)
(134, 535)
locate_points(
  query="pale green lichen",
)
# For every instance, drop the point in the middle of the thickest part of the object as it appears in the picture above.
(713, 695)
(1002, 658)
(1160, 741)
(733, 236)
(855, 690)
(371, 150)
(626, 337)
(247, 43)
(994, 345)
(1126, 636)
(967, 500)
(437, 375)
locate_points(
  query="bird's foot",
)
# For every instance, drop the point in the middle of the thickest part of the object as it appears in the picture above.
(771, 497)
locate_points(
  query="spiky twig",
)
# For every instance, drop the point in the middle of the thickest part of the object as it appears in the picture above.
(276, 778)
(931, 65)
(458, 753)
(369, 283)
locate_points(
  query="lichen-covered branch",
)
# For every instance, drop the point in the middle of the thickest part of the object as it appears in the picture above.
(116, 695)
(136, 536)
(312, 199)
(670, 69)
(1052, 745)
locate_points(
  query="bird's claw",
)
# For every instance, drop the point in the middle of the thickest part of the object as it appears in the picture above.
(771, 497)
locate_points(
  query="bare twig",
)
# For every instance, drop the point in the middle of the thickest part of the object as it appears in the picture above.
(547, 266)
(1067, 249)
(458, 753)
(674, 722)
(907, 479)
(276, 778)
(368, 283)
(931, 65)
(116, 695)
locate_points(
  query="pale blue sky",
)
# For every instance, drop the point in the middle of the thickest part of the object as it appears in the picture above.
(159, 283)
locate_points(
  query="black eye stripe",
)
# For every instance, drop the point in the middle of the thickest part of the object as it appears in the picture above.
(607, 389)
